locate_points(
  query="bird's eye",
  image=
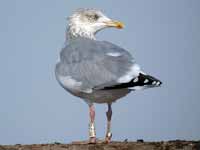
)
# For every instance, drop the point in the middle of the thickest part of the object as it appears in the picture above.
(96, 17)
(92, 17)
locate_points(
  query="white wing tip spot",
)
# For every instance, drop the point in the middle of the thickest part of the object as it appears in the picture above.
(158, 83)
(154, 82)
(146, 81)
(135, 80)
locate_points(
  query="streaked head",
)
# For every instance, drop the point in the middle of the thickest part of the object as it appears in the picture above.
(87, 22)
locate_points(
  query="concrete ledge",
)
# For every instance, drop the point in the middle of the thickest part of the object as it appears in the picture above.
(140, 145)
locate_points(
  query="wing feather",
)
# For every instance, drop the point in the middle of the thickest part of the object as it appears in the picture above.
(87, 62)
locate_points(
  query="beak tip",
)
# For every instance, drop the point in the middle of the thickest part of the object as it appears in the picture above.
(119, 25)
(116, 24)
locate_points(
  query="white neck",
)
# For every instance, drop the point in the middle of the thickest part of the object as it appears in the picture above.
(74, 31)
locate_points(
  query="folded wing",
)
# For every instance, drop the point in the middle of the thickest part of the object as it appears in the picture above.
(88, 65)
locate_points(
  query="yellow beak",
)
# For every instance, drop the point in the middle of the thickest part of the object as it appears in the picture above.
(116, 24)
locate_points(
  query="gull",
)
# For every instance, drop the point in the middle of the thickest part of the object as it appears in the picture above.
(98, 71)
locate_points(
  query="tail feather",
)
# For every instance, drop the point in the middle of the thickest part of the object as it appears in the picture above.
(140, 82)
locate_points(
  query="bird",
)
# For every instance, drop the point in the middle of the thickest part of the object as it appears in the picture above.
(98, 71)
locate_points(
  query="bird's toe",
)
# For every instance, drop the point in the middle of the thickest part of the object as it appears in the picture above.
(92, 140)
(108, 137)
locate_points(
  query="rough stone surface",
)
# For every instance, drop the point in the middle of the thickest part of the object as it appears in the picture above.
(140, 145)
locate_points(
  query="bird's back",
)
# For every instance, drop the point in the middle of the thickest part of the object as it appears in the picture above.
(94, 63)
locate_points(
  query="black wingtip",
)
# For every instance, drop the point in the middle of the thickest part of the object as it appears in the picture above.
(140, 82)
(147, 80)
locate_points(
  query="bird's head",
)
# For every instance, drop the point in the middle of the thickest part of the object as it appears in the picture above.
(87, 22)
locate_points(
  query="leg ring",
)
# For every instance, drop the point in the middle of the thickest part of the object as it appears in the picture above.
(92, 132)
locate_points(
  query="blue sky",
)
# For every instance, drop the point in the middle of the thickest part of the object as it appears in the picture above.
(163, 36)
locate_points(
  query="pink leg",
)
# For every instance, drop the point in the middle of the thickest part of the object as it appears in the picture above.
(108, 132)
(92, 132)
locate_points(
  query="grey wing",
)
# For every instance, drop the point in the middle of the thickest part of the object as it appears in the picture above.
(95, 65)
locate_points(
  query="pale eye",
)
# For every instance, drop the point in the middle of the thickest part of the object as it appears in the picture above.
(92, 17)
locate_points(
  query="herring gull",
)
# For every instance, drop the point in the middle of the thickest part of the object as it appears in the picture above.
(98, 71)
